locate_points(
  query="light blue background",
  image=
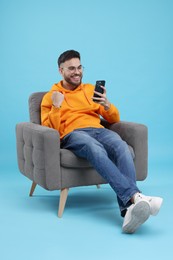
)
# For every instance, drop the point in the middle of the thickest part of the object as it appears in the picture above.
(128, 43)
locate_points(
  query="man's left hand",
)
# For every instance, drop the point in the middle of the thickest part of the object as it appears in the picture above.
(102, 99)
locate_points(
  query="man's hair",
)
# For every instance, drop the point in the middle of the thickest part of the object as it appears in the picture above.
(68, 55)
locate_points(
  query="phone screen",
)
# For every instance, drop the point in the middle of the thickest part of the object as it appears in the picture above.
(98, 88)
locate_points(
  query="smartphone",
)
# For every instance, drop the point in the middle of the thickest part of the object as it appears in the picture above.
(98, 88)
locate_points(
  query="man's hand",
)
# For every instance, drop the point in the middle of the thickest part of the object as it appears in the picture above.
(102, 100)
(57, 98)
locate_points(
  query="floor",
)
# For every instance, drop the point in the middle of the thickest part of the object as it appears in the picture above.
(90, 227)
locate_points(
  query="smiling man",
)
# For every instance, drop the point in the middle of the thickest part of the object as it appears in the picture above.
(69, 107)
(71, 70)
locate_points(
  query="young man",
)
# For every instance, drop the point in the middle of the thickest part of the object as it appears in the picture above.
(70, 108)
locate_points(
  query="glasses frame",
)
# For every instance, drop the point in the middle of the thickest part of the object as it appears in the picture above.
(72, 69)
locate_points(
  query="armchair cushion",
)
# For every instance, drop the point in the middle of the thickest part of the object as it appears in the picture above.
(70, 160)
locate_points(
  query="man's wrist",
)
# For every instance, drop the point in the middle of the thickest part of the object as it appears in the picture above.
(107, 106)
(56, 106)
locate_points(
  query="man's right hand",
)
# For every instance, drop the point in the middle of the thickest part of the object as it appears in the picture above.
(57, 98)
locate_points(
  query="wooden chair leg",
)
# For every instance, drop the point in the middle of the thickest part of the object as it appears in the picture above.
(63, 198)
(98, 186)
(32, 189)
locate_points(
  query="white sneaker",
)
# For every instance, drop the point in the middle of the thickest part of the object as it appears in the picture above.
(155, 203)
(136, 215)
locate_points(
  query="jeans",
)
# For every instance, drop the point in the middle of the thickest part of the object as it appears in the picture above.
(111, 158)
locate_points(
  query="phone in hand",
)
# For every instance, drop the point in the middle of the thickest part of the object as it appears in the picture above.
(98, 88)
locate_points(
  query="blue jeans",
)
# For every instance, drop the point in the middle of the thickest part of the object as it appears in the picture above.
(111, 158)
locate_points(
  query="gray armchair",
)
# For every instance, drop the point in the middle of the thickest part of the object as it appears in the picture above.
(41, 159)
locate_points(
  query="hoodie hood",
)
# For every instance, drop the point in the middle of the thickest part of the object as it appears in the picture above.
(76, 92)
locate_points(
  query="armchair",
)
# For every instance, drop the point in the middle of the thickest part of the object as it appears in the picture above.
(63, 170)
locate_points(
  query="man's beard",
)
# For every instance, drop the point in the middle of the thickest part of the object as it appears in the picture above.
(71, 82)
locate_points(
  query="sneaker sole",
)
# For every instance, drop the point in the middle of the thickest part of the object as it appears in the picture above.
(140, 213)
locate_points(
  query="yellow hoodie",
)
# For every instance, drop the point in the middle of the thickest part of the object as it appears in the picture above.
(77, 110)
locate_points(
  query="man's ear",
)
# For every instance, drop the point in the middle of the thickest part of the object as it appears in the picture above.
(60, 70)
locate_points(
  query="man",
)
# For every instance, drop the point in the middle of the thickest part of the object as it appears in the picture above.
(71, 109)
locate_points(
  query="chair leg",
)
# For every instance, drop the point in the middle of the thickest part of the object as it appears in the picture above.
(32, 189)
(63, 198)
(98, 186)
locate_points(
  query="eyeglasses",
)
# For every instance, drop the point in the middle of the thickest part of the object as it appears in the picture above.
(73, 69)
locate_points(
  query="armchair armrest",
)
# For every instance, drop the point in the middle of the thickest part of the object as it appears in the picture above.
(38, 154)
(136, 135)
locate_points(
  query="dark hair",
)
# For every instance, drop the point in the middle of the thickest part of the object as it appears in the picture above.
(68, 55)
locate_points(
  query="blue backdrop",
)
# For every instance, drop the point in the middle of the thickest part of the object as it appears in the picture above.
(128, 43)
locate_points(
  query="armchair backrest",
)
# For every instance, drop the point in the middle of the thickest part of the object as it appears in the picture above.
(34, 107)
